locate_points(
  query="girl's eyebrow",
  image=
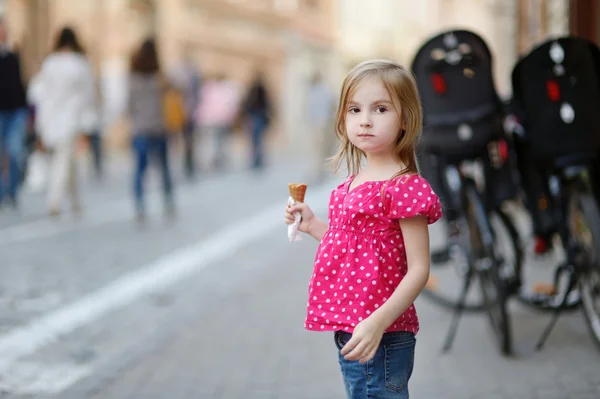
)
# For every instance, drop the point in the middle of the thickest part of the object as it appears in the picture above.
(382, 101)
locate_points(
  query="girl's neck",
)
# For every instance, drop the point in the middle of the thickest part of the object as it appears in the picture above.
(383, 161)
(380, 167)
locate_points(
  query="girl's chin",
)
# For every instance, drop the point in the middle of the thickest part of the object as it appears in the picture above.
(370, 148)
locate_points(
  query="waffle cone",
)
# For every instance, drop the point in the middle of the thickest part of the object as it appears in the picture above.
(297, 191)
(545, 288)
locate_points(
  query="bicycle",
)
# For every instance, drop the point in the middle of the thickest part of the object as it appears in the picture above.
(556, 94)
(577, 218)
(473, 231)
(462, 115)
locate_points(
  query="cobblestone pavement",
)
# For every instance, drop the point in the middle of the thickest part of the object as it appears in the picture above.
(232, 327)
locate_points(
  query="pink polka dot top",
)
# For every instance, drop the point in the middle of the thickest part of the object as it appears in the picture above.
(361, 258)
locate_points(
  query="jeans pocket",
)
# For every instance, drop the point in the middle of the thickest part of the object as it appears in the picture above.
(399, 362)
(338, 336)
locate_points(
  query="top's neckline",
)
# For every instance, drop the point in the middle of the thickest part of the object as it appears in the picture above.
(352, 177)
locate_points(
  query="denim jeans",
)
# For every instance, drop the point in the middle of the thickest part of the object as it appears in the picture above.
(12, 145)
(146, 147)
(258, 126)
(386, 375)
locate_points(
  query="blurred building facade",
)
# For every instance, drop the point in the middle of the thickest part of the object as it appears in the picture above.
(286, 39)
(397, 28)
(584, 18)
(290, 40)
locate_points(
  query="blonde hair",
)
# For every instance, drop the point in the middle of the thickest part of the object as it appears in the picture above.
(402, 88)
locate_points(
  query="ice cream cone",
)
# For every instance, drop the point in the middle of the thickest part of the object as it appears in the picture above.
(297, 191)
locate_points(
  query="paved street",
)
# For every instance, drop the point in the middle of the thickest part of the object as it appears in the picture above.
(212, 306)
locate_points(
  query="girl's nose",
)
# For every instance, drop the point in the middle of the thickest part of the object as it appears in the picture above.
(365, 120)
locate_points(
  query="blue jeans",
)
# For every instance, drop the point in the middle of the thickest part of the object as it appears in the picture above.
(386, 375)
(145, 147)
(12, 145)
(258, 126)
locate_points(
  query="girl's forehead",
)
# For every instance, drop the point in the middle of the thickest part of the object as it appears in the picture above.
(370, 87)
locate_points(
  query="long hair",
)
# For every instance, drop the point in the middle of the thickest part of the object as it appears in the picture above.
(68, 39)
(145, 60)
(402, 88)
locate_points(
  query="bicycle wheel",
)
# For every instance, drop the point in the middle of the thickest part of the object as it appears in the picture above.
(508, 250)
(585, 229)
(448, 278)
(493, 288)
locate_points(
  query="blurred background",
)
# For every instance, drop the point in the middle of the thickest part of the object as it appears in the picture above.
(291, 40)
(170, 274)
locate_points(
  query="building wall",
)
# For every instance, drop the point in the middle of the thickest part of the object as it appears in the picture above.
(285, 39)
(540, 19)
(397, 28)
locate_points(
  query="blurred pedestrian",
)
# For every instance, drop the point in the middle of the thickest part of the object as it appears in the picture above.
(216, 114)
(94, 134)
(64, 95)
(258, 110)
(321, 106)
(147, 88)
(13, 121)
(186, 77)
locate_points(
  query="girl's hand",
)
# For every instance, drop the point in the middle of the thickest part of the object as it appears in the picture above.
(365, 340)
(307, 216)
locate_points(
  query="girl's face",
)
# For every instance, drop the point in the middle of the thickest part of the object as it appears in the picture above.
(372, 123)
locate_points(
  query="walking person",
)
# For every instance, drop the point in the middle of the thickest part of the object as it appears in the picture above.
(258, 110)
(373, 257)
(13, 121)
(150, 138)
(94, 134)
(321, 105)
(216, 114)
(187, 79)
(64, 94)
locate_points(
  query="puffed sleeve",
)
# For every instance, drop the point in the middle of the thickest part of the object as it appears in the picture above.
(410, 196)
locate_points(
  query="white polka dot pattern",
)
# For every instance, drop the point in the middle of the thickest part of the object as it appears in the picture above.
(361, 259)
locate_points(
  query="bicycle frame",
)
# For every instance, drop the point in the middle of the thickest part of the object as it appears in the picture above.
(460, 181)
(563, 186)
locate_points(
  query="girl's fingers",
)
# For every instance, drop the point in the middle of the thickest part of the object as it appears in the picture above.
(358, 352)
(288, 217)
(370, 355)
(349, 345)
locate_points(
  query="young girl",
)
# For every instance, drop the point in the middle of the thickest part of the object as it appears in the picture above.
(373, 257)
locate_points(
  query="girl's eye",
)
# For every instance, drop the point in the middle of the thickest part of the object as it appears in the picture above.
(353, 110)
(381, 110)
